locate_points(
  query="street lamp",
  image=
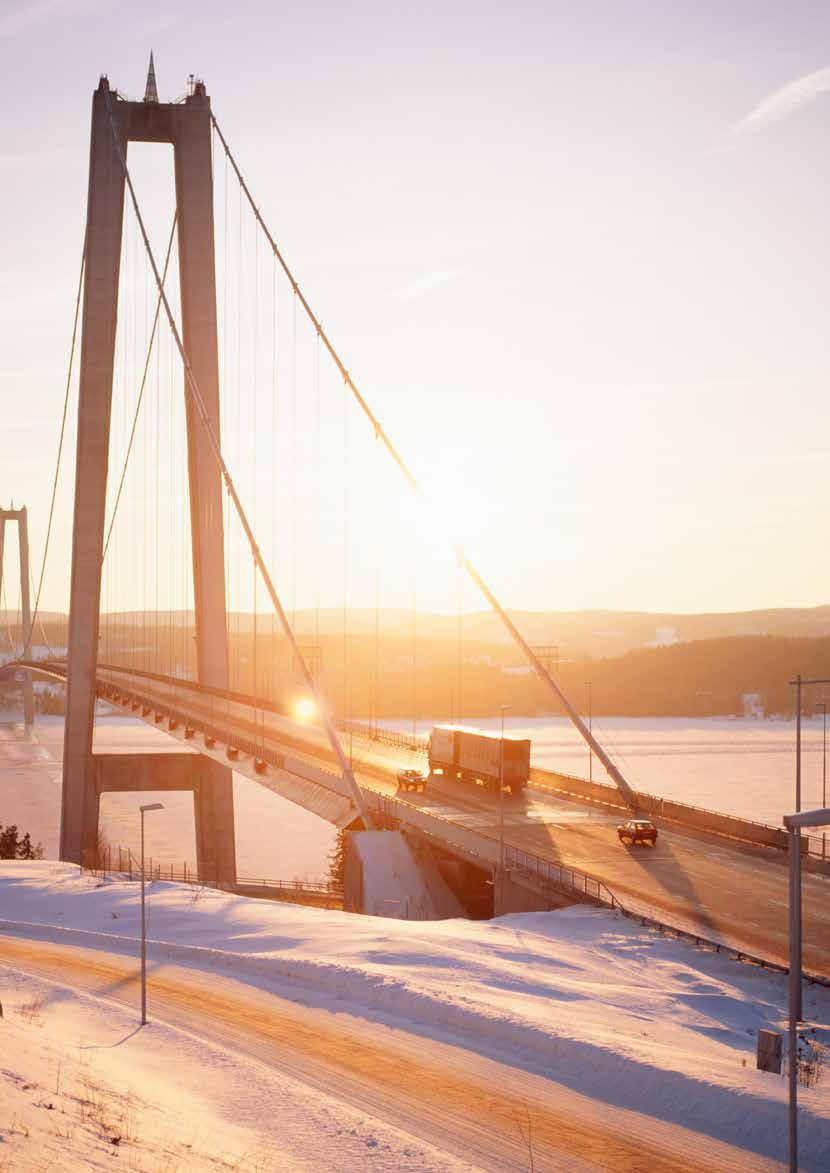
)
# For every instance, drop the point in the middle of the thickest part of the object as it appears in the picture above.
(799, 683)
(794, 823)
(823, 706)
(503, 709)
(150, 806)
(590, 730)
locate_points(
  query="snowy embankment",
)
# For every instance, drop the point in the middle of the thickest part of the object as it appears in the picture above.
(581, 996)
(80, 1085)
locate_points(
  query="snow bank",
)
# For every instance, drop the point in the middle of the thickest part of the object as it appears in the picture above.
(395, 883)
(82, 1087)
(582, 996)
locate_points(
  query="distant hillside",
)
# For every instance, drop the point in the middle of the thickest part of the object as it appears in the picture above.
(576, 633)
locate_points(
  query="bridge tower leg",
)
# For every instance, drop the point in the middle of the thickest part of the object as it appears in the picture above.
(187, 126)
(22, 519)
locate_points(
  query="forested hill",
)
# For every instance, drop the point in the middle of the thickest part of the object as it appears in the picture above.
(702, 677)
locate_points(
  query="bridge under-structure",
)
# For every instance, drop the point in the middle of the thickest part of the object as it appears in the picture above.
(20, 516)
(187, 126)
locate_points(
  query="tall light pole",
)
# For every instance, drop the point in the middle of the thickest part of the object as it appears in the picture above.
(799, 683)
(794, 823)
(503, 708)
(823, 706)
(150, 806)
(590, 730)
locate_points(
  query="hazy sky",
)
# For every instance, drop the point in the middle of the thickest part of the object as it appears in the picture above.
(576, 255)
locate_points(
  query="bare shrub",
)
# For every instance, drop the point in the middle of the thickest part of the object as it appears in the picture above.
(812, 1056)
(32, 1009)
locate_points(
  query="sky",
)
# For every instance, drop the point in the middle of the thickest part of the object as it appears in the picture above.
(575, 256)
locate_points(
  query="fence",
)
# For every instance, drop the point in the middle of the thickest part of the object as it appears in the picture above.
(109, 860)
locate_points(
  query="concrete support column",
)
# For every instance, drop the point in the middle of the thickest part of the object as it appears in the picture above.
(26, 608)
(197, 278)
(215, 831)
(21, 517)
(105, 211)
(213, 811)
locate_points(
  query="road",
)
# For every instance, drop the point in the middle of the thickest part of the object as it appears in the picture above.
(718, 888)
(466, 1105)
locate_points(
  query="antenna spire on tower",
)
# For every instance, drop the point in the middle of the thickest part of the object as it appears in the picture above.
(151, 94)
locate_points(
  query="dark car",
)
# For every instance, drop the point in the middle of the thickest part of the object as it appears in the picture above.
(637, 831)
(412, 779)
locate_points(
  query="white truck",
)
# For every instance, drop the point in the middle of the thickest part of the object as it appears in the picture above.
(474, 755)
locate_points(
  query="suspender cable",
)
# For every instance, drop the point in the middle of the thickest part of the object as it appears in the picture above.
(27, 649)
(140, 399)
(210, 433)
(538, 667)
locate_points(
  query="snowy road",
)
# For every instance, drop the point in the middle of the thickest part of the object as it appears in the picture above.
(476, 1111)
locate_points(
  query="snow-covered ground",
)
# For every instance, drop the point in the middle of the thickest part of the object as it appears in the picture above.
(583, 997)
(739, 766)
(82, 1088)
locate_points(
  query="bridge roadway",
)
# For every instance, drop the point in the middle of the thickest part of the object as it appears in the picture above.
(722, 889)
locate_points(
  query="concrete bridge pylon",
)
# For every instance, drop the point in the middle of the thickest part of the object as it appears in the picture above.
(187, 126)
(22, 519)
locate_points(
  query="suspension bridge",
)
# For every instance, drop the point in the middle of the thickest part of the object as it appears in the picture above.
(221, 542)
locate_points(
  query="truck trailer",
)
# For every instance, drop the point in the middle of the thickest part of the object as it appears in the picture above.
(474, 755)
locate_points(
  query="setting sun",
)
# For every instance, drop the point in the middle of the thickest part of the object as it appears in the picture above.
(304, 708)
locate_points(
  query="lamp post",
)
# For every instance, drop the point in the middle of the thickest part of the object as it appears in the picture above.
(590, 730)
(794, 823)
(150, 806)
(503, 709)
(799, 683)
(823, 706)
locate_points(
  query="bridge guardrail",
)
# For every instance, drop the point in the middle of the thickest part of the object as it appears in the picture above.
(713, 822)
(109, 860)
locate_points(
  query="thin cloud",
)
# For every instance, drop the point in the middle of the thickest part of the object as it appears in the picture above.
(783, 102)
(25, 15)
(428, 282)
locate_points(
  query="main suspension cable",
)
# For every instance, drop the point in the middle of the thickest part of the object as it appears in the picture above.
(537, 665)
(199, 403)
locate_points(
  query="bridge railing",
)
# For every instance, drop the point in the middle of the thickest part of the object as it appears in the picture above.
(107, 860)
(547, 873)
(416, 742)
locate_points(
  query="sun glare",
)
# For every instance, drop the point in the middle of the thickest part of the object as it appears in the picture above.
(304, 708)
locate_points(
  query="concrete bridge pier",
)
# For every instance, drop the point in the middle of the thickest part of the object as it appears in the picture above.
(22, 519)
(179, 770)
(187, 125)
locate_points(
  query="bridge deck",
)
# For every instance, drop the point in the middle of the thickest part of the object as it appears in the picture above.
(724, 890)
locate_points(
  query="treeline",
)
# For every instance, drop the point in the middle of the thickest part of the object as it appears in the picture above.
(395, 677)
(13, 845)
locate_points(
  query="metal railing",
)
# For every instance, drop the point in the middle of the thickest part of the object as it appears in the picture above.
(565, 879)
(110, 861)
(699, 818)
